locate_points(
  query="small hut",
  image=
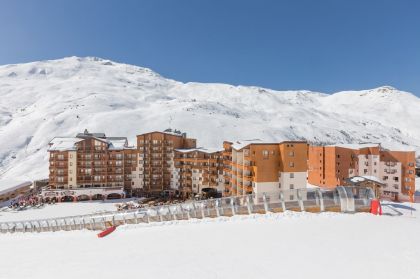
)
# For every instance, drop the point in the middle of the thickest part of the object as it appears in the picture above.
(367, 181)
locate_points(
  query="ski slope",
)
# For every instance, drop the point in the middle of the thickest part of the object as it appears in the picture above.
(44, 99)
(63, 209)
(289, 245)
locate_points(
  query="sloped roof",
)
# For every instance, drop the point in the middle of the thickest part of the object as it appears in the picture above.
(355, 145)
(63, 143)
(200, 149)
(69, 143)
(362, 178)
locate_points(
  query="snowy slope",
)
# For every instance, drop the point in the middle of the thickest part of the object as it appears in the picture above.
(287, 245)
(41, 100)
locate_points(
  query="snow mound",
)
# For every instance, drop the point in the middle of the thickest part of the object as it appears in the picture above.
(59, 98)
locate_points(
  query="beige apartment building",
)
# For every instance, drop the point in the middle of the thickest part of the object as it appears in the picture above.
(198, 169)
(259, 167)
(330, 166)
(91, 160)
(156, 171)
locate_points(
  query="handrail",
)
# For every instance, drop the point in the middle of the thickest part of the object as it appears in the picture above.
(312, 200)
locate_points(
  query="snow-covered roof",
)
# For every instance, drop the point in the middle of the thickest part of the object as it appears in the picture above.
(63, 144)
(239, 144)
(200, 149)
(69, 143)
(8, 185)
(172, 133)
(362, 178)
(356, 145)
(116, 143)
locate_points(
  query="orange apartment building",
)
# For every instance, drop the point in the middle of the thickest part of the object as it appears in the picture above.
(258, 167)
(330, 166)
(197, 169)
(155, 171)
(91, 160)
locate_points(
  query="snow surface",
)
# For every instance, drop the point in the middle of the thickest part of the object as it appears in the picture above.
(47, 99)
(7, 185)
(59, 210)
(288, 245)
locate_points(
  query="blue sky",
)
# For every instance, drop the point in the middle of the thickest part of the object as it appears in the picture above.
(323, 45)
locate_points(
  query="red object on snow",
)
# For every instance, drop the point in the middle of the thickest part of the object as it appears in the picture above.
(107, 231)
(375, 207)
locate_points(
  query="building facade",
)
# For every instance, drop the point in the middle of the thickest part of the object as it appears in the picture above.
(156, 171)
(91, 160)
(331, 166)
(258, 167)
(197, 169)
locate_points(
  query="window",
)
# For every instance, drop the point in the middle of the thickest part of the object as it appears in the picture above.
(292, 186)
(411, 164)
(410, 172)
(291, 164)
(292, 175)
(365, 171)
(385, 178)
(396, 179)
(291, 197)
(265, 154)
(338, 155)
(291, 154)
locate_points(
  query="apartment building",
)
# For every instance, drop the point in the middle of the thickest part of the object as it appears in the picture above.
(198, 169)
(330, 166)
(156, 171)
(91, 160)
(259, 167)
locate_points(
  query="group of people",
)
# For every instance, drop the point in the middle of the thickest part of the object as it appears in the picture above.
(32, 200)
(144, 204)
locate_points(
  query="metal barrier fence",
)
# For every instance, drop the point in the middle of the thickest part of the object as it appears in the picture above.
(340, 199)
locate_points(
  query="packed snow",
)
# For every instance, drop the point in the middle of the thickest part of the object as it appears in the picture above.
(62, 209)
(8, 185)
(285, 245)
(47, 99)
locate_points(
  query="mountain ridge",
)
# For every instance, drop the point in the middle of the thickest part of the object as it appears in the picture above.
(44, 99)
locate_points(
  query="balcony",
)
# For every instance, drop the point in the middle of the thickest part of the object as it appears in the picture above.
(248, 178)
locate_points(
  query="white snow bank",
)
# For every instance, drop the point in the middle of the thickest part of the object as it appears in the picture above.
(8, 185)
(291, 245)
(60, 210)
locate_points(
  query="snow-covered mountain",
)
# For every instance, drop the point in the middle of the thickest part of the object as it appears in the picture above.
(44, 99)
